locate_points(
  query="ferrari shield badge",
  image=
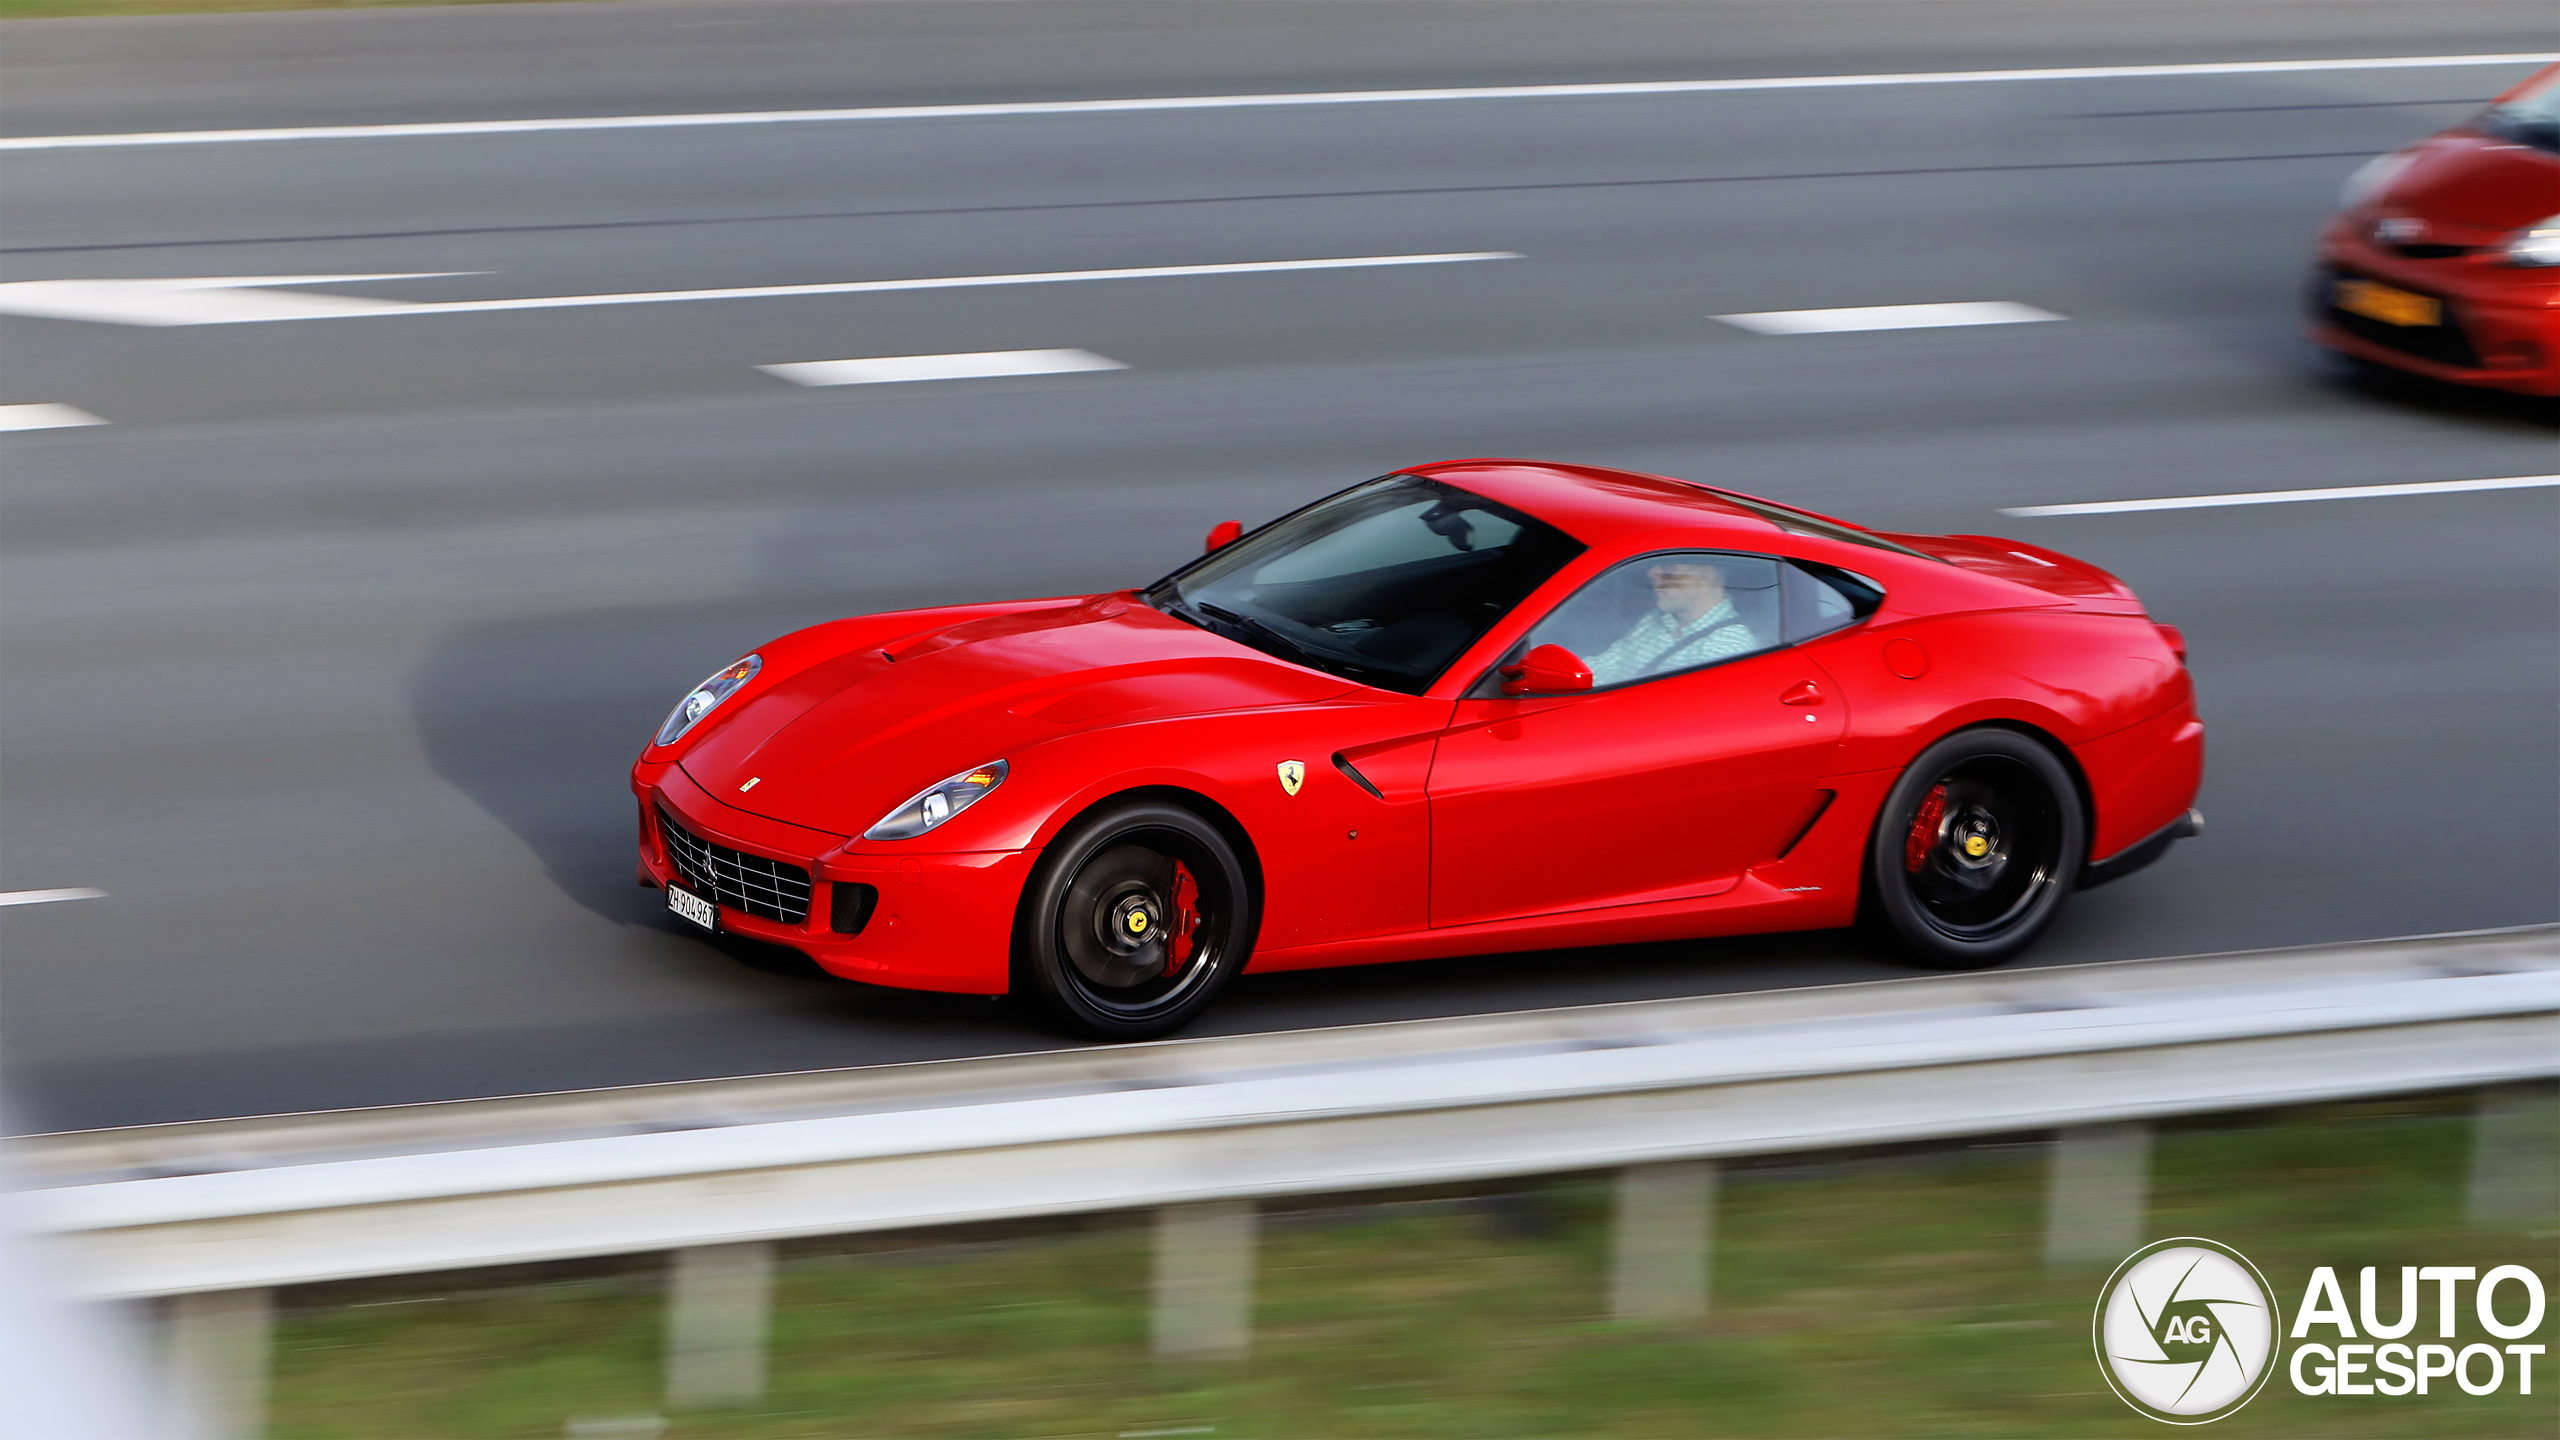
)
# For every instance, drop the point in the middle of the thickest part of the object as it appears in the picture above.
(1293, 773)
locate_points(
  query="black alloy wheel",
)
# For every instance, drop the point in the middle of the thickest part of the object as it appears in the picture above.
(1975, 850)
(1136, 917)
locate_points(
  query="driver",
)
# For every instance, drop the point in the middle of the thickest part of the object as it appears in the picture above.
(1692, 622)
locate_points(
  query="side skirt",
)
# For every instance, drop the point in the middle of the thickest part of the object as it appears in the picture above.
(1753, 906)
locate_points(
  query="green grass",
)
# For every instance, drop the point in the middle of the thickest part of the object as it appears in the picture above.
(1899, 1296)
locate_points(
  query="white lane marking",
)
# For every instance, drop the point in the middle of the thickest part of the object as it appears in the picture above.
(2287, 497)
(1888, 317)
(236, 301)
(1248, 102)
(45, 417)
(47, 897)
(202, 300)
(892, 369)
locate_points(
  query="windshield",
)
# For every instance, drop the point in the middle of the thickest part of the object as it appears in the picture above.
(2532, 118)
(1385, 583)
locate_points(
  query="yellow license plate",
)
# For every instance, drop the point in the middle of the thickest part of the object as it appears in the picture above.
(2388, 305)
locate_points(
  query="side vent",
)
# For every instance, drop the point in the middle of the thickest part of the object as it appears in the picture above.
(1821, 803)
(849, 907)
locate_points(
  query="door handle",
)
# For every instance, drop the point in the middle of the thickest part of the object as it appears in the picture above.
(1803, 692)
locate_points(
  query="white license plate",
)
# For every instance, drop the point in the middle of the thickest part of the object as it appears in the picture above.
(688, 906)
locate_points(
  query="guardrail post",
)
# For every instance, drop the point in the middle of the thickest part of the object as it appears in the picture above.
(719, 1301)
(218, 1347)
(1204, 1280)
(1665, 1231)
(2097, 1193)
(2515, 1156)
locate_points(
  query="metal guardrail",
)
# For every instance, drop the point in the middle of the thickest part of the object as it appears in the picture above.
(295, 1199)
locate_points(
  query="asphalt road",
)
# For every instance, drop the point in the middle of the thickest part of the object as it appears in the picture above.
(324, 656)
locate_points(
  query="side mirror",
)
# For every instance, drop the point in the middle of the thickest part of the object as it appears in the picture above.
(1224, 534)
(1547, 670)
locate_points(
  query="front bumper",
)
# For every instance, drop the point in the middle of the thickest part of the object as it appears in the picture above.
(2500, 327)
(932, 921)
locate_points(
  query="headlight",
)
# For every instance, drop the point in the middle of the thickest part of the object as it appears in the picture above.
(938, 803)
(706, 697)
(2372, 178)
(2537, 243)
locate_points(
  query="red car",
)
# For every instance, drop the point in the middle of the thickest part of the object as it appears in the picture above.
(2446, 259)
(1479, 706)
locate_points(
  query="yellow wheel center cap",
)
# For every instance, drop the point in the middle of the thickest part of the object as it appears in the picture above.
(1137, 922)
(1974, 845)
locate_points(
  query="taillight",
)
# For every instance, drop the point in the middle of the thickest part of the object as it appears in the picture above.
(2176, 638)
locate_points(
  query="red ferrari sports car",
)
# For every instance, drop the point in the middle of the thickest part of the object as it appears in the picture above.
(1478, 706)
(2446, 259)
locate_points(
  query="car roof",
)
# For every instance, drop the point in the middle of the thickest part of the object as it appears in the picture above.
(1599, 507)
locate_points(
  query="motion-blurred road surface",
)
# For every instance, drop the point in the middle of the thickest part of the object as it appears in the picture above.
(325, 653)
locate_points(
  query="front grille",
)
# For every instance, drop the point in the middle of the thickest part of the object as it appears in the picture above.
(749, 884)
(2424, 251)
(2445, 344)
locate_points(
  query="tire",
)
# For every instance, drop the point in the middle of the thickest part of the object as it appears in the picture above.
(1099, 942)
(1974, 851)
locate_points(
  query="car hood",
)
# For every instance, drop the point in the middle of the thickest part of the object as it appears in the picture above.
(838, 745)
(2475, 180)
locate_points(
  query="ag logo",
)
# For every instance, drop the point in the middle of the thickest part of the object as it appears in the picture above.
(1293, 773)
(2186, 1331)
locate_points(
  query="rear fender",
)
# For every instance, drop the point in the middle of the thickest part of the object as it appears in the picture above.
(2073, 675)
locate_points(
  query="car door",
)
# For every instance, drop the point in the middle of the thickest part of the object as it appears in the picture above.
(1698, 746)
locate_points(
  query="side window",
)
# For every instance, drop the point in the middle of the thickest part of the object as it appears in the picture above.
(1673, 611)
(1821, 599)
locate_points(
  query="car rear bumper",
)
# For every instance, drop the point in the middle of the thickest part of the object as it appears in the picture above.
(2142, 781)
(2500, 326)
(2118, 866)
(918, 922)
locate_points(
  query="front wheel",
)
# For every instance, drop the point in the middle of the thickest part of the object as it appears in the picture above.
(1975, 850)
(1136, 917)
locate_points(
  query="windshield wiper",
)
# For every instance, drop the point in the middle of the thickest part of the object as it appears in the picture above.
(1171, 603)
(1272, 640)
(1213, 618)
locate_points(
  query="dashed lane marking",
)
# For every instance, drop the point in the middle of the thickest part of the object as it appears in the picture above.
(1251, 102)
(45, 417)
(2287, 497)
(1888, 317)
(981, 364)
(47, 897)
(243, 300)
(196, 300)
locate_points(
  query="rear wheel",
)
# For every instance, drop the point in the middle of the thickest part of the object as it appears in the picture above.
(1975, 850)
(1136, 917)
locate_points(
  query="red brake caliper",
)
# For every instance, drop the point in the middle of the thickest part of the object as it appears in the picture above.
(1185, 919)
(1924, 829)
